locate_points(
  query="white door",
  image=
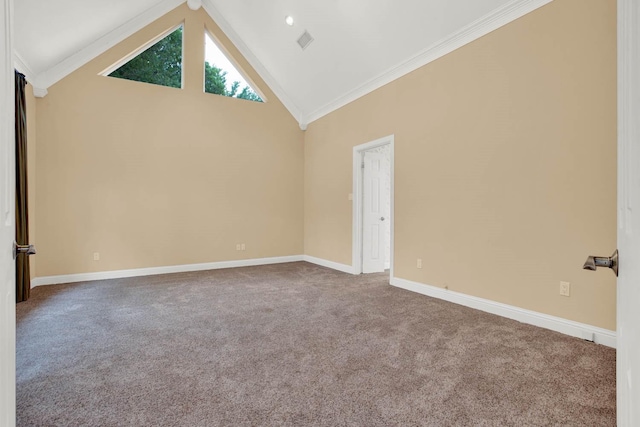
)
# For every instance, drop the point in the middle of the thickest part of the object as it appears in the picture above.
(7, 230)
(374, 222)
(628, 308)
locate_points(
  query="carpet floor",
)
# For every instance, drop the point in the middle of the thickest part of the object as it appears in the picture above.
(293, 345)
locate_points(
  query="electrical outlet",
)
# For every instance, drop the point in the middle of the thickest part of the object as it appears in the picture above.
(96, 256)
(565, 289)
(419, 263)
(243, 247)
(238, 247)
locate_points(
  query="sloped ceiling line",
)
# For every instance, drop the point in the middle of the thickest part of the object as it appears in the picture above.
(254, 62)
(488, 23)
(21, 65)
(194, 4)
(48, 78)
(512, 10)
(59, 71)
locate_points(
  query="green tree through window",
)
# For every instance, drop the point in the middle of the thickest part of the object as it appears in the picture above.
(216, 70)
(161, 64)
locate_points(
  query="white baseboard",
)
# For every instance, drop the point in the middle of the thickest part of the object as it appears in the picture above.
(118, 274)
(329, 264)
(558, 324)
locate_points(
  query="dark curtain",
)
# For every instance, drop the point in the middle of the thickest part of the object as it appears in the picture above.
(23, 279)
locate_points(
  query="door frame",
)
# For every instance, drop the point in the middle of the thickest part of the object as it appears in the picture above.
(7, 220)
(358, 193)
(628, 348)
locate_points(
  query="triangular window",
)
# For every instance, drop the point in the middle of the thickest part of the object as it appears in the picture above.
(221, 77)
(160, 64)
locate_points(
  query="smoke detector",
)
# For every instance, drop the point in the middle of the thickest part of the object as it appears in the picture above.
(305, 40)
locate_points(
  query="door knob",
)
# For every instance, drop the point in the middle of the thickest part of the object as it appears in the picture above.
(593, 262)
(23, 249)
(381, 218)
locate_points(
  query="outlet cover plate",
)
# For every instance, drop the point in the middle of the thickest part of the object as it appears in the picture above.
(565, 289)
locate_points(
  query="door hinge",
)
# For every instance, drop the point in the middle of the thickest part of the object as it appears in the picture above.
(362, 165)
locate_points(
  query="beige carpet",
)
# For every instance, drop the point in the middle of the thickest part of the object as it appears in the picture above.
(294, 345)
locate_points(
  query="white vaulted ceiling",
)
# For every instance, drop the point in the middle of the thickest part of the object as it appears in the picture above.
(50, 31)
(358, 45)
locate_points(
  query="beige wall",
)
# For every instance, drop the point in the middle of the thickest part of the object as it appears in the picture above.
(505, 164)
(504, 182)
(154, 176)
(31, 171)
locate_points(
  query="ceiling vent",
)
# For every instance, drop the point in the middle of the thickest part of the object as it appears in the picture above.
(305, 40)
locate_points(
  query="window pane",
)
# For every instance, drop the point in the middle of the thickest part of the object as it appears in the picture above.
(161, 64)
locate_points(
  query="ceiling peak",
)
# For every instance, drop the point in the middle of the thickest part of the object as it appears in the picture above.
(194, 4)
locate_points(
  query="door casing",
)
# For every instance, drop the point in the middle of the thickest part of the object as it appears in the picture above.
(7, 221)
(628, 287)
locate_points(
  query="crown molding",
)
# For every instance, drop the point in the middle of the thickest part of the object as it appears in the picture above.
(21, 65)
(39, 92)
(139, 50)
(67, 66)
(53, 75)
(488, 23)
(226, 28)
